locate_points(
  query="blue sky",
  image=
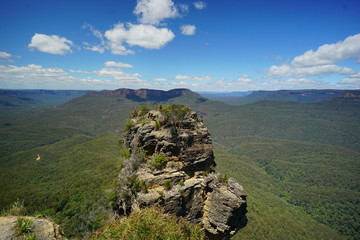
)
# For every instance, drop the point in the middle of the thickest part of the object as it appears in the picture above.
(209, 45)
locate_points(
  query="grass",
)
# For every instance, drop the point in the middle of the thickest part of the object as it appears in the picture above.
(152, 224)
(23, 226)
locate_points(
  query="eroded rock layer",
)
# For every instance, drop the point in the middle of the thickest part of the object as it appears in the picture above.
(172, 165)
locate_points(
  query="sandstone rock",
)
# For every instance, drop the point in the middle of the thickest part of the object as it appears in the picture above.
(42, 228)
(187, 185)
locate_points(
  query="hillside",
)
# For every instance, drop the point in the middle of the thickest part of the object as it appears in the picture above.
(290, 157)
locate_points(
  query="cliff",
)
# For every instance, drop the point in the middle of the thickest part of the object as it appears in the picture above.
(172, 165)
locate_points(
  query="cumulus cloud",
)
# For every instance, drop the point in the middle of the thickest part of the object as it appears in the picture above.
(146, 36)
(244, 79)
(118, 64)
(321, 62)
(155, 11)
(331, 53)
(188, 29)
(5, 55)
(191, 78)
(200, 5)
(50, 44)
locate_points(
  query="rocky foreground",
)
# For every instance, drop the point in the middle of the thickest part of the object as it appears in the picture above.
(171, 165)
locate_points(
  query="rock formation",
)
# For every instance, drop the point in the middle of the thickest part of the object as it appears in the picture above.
(39, 229)
(172, 165)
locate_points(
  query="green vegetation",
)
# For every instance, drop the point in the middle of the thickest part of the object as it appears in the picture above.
(158, 161)
(175, 113)
(150, 223)
(15, 209)
(137, 185)
(224, 179)
(298, 162)
(168, 184)
(23, 226)
(30, 237)
(157, 125)
(128, 125)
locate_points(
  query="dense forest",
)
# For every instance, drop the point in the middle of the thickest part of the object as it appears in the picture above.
(297, 161)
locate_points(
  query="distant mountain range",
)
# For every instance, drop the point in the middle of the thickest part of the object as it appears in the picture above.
(301, 96)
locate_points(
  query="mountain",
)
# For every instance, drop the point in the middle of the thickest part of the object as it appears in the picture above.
(301, 96)
(17, 100)
(297, 161)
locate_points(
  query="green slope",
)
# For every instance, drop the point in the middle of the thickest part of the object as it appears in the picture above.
(321, 180)
(269, 216)
(72, 183)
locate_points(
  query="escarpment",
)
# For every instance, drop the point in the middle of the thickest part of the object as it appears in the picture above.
(171, 165)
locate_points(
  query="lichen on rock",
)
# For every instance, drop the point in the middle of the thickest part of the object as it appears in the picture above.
(172, 166)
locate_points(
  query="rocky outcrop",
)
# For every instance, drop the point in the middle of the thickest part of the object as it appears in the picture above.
(39, 228)
(172, 165)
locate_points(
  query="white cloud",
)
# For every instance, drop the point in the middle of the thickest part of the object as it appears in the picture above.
(160, 79)
(36, 76)
(188, 29)
(287, 70)
(5, 55)
(146, 36)
(191, 78)
(355, 81)
(244, 79)
(331, 53)
(98, 34)
(51, 44)
(321, 62)
(118, 64)
(97, 48)
(155, 11)
(200, 5)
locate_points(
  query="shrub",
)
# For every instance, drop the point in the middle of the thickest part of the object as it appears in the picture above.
(168, 184)
(175, 113)
(224, 179)
(16, 209)
(150, 223)
(128, 125)
(159, 162)
(23, 226)
(157, 125)
(144, 109)
(136, 185)
(125, 153)
(181, 183)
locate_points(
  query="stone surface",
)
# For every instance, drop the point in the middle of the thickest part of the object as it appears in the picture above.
(42, 228)
(187, 185)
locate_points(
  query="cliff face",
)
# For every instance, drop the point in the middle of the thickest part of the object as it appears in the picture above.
(172, 165)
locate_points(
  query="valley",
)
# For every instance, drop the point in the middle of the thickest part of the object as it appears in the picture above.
(299, 162)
